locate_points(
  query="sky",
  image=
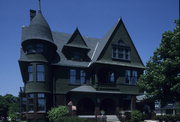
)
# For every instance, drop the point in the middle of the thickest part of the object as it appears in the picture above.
(145, 21)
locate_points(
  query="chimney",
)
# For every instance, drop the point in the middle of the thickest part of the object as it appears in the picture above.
(32, 14)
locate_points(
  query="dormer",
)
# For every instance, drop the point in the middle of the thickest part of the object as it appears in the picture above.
(76, 48)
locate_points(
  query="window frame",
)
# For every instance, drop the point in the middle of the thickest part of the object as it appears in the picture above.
(40, 73)
(41, 98)
(30, 73)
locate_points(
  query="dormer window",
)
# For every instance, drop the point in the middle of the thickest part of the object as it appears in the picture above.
(120, 51)
(35, 48)
(39, 48)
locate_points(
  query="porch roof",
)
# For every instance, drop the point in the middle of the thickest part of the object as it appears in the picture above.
(90, 89)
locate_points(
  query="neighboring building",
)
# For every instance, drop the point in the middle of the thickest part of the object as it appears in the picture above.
(168, 109)
(95, 74)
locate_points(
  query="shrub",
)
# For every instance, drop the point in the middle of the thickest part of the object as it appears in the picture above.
(58, 113)
(136, 116)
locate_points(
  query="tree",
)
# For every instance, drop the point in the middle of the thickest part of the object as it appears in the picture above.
(9, 105)
(161, 79)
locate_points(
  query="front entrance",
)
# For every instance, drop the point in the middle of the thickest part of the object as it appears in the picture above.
(85, 106)
(109, 106)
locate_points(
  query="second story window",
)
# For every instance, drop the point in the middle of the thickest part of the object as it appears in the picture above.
(128, 76)
(77, 76)
(134, 77)
(131, 77)
(111, 77)
(72, 76)
(82, 76)
(30, 73)
(40, 73)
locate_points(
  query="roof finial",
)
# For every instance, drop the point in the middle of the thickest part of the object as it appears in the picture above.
(39, 5)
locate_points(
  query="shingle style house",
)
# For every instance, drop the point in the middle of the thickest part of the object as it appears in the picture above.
(94, 74)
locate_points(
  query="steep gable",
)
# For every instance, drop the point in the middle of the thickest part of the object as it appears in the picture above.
(76, 40)
(115, 35)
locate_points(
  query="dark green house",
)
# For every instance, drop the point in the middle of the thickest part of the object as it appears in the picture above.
(95, 74)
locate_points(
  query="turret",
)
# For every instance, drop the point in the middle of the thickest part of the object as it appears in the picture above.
(37, 53)
(37, 38)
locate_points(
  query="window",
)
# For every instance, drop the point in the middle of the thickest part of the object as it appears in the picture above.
(111, 77)
(72, 76)
(23, 104)
(30, 73)
(134, 77)
(120, 51)
(82, 76)
(41, 101)
(39, 48)
(30, 102)
(131, 77)
(30, 49)
(40, 74)
(128, 76)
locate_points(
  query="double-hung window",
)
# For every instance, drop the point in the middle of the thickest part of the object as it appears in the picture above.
(41, 102)
(30, 73)
(128, 76)
(31, 102)
(72, 76)
(134, 77)
(40, 73)
(111, 77)
(82, 76)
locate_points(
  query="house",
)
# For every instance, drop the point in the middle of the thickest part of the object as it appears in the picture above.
(94, 74)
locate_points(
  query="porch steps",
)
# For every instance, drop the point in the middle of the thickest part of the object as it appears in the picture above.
(110, 118)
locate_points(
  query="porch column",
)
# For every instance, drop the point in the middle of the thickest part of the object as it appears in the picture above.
(133, 102)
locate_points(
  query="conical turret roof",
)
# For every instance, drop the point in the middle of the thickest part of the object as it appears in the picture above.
(38, 29)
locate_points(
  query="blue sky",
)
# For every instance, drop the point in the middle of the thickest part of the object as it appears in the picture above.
(145, 21)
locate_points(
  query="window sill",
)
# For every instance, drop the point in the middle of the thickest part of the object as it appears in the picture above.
(41, 111)
(121, 59)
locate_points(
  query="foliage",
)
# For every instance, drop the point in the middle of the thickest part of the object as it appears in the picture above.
(167, 118)
(161, 79)
(9, 106)
(136, 116)
(58, 113)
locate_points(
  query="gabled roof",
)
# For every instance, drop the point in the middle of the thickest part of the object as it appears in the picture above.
(77, 40)
(60, 39)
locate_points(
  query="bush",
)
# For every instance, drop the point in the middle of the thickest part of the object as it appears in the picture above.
(58, 113)
(136, 116)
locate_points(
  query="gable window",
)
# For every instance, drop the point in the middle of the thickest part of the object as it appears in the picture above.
(30, 73)
(41, 101)
(40, 72)
(31, 102)
(120, 51)
(72, 76)
(82, 76)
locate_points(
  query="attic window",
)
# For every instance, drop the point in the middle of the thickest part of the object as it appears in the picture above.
(120, 51)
